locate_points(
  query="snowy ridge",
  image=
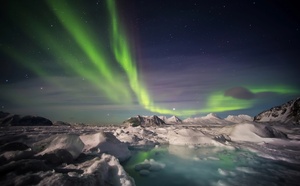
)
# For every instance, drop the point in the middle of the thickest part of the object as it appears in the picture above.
(210, 118)
(144, 121)
(239, 118)
(164, 118)
(286, 113)
(171, 120)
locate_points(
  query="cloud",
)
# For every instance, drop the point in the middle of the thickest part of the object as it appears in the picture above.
(240, 93)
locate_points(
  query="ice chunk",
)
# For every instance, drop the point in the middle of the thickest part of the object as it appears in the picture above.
(97, 171)
(106, 143)
(149, 166)
(70, 142)
(222, 172)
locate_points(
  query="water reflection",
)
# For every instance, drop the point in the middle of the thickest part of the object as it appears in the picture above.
(210, 166)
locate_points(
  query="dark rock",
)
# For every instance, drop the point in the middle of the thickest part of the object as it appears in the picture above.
(267, 131)
(144, 121)
(3, 114)
(275, 133)
(16, 155)
(65, 170)
(10, 120)
(13, 146)
(34, 121)
(12, 137)
(58, 157)
(24, 166)
(27, 179)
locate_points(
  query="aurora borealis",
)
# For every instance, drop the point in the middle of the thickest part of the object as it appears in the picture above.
(103, 61)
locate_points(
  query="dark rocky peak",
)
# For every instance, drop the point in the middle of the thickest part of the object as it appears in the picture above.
(286, 113)
(144, 121)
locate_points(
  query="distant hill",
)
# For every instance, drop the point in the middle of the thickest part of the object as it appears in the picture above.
(7, 119)
(209, 119)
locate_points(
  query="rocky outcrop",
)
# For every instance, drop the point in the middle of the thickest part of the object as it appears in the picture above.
(144, 121)
(285, 113)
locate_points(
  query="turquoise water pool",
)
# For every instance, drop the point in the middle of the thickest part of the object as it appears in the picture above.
(209, 166)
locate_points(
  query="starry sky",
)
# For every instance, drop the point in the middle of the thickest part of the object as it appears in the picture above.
(102, 61)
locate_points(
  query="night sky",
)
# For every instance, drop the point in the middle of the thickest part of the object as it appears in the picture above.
(104, 61)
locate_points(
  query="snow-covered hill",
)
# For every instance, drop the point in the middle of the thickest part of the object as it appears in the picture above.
(239, 118)
(286, 113)
(210, 118)
(171, 120)
(144, 121)
(174, 119)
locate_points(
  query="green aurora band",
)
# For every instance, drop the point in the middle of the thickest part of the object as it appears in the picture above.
(217, 102)
(98, 69)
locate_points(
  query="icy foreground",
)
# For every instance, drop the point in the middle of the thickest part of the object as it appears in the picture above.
(62, 155)
(91, 155)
